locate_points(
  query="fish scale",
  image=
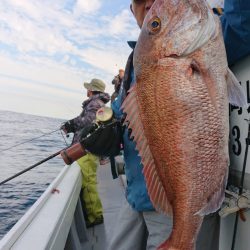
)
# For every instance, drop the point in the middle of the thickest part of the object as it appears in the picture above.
(178, 113)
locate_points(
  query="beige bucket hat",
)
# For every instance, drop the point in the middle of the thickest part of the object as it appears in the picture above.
(95, 85)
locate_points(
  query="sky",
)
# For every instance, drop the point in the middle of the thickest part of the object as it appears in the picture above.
(49, 48)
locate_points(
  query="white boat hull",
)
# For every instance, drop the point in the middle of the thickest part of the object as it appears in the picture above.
(238, 135)
(47, 223)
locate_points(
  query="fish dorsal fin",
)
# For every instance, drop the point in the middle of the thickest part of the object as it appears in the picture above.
(155, 188)
(236, 95)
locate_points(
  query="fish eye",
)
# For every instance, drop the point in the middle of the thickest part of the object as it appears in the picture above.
(154, 25)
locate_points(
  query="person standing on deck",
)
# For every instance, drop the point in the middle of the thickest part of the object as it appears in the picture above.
(117, 81)
(97, 98)
(138, 225)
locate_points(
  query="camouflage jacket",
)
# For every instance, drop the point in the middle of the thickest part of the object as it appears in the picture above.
(88, 114)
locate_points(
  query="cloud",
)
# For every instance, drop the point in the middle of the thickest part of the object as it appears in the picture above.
(107, 60)
(61, 33)
(58, 44)
(121, 23)
(87, 6)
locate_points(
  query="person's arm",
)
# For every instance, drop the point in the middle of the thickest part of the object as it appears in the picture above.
(79, 122)
(83, 120)
(236, 29)
(89, 116)
(68, 127)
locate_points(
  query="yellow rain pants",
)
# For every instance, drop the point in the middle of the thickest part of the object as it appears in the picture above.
(91, 200)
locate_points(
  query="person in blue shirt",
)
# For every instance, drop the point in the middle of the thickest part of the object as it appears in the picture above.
(139, 226)
(235, 23)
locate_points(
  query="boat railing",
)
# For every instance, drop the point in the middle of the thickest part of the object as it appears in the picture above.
(49, 222)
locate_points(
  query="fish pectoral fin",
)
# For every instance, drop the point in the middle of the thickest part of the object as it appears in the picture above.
(236, 95)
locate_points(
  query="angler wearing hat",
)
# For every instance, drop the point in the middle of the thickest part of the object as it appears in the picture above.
(97, 98)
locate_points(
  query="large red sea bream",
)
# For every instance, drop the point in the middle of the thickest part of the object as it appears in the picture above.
(178, 113)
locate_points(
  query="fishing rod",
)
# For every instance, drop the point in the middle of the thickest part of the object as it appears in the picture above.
(29, 140)
(29, 168)
(77, 150)
(69, 155)
(241, 185)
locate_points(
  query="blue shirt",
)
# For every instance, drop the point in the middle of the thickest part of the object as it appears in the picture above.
(136, 192)
(236, 29)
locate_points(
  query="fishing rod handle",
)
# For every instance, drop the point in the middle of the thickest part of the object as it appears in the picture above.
(73, 153)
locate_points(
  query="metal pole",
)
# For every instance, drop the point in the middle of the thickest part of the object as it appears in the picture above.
(241, 185)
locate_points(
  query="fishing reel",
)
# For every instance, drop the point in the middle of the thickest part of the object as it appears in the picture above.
(104, 116)
(103, 137)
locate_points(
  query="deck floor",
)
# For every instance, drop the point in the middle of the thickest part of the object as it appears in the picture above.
(112, 196)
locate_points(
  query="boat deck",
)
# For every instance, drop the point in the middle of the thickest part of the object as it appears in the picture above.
(112, 195)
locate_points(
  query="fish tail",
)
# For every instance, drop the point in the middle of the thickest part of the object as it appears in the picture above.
(168, 245)
(185, 231)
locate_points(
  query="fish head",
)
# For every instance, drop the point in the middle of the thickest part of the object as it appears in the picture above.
(173, 28)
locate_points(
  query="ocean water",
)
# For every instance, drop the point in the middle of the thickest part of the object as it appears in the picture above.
(19, 194)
